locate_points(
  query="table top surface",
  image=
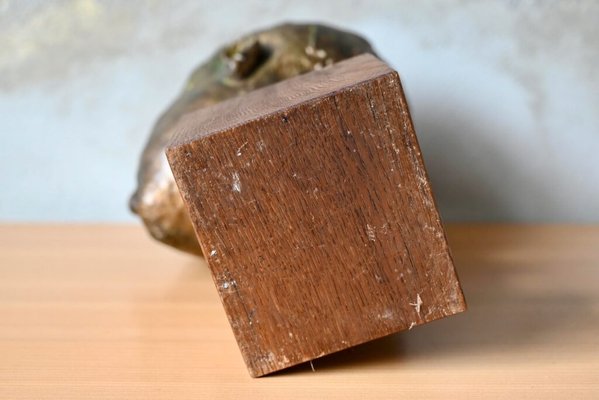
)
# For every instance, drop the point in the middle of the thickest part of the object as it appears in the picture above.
(105, 312)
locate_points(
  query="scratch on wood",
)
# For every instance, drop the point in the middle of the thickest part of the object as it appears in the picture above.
(370, 233)
(236, 182)
(241, 148)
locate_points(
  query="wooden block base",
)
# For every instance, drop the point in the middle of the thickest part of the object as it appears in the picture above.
(312, 204)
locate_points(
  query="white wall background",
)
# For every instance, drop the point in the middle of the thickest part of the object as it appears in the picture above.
(504, 94)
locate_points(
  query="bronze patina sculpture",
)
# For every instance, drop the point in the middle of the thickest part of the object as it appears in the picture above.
(253, 61)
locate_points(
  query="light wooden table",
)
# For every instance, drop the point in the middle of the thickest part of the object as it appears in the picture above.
(90, 312)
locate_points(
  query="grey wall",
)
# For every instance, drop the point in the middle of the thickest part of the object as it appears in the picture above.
(504, 94)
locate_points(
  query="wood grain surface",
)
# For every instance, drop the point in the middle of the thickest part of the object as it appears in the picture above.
(269, 100)
(311, 201)
(104, 312)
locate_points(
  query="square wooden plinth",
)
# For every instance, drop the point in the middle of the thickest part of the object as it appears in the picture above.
(312, 205)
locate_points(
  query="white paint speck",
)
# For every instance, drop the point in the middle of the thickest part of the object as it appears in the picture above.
(387, 314)
(229, 284)
(213, 253)
(385, 228)
(236, 183)
(370, 233)
(260, 145)
(412, 324)
(417, 304)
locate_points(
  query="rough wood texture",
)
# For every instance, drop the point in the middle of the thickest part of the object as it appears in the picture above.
(102, 312)
(311, 201)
